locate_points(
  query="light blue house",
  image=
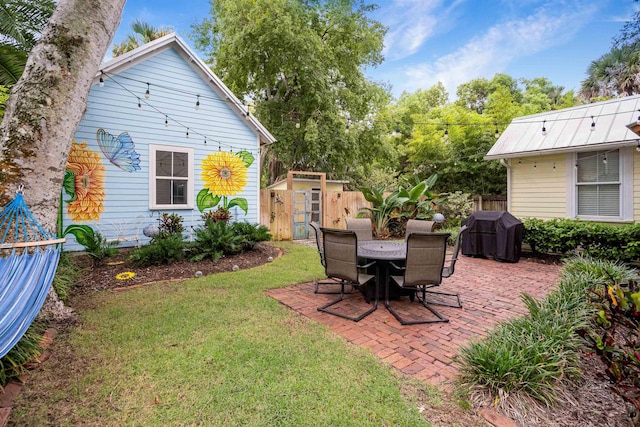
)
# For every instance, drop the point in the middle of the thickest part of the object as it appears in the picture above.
(161, 134)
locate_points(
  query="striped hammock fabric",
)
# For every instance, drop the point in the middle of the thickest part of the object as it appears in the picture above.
(27, 267)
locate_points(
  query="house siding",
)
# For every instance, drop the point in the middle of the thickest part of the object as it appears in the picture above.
(174, 85)
(537, 189)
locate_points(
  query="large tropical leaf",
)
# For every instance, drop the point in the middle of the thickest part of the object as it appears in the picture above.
(12, 62)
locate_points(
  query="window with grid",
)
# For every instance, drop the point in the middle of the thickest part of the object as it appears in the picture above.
(171, 175)
(598, 184)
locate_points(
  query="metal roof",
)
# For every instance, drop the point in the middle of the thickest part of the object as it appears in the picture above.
(147, 50)
(570, 130)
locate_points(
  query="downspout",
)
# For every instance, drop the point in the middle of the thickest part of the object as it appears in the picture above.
(506, 164)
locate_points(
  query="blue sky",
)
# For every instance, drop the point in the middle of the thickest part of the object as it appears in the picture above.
(456, 41)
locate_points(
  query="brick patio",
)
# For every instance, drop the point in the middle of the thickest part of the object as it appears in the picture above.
(489, 290)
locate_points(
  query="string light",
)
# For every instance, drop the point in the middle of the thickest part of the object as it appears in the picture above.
(246, 117)
(593, 124)
(197, 102)
(604, 158)
(638, 147)
(187, 133)
(544, 128)
(217, 99)
(297, 125)
(166, 121)
(205, 140)
(102, 82)
(535, 165)
(139, 104)
(497, 132)
(446, 131)
(554, 165)
(147, 94)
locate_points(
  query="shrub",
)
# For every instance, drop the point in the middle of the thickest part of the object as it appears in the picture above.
(566, 236)
(161, 250)
(220, 214)
(12, 365)
(169, 225)
(531, 356)
(97, 247)
(251, 234)
(66, 276)
(213, 240)
(458, 206)
(614, 334)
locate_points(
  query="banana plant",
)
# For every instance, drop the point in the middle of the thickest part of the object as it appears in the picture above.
(383, 207)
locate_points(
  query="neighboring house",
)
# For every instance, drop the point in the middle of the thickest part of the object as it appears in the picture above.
(161, 134)
(580, 162)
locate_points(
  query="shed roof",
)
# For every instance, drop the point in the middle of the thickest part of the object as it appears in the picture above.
(570, 130)
(140, 54)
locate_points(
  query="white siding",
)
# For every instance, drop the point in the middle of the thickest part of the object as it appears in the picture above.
(537, 189)
(174, 85)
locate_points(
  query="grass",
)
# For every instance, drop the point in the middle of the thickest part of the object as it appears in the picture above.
(215, 351)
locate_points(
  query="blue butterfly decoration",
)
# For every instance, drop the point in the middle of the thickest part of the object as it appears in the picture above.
(119, 150)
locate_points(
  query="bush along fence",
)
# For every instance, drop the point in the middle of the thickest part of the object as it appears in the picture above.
(567, 236)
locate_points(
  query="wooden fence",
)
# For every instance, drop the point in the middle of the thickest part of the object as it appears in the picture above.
(277, 211)
(489, 203)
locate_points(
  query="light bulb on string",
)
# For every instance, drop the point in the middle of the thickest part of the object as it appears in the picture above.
(544, 128)
(535, 165)
(593, 124)
(604, 158)
(246, 117)
(554, 166)
(166, 121)
(102, 80)
(187, 135)
(497, 132)
(197, 102)
(638, 146)
(139, 104)
(205, 140)
(147, 94)
(219, 147)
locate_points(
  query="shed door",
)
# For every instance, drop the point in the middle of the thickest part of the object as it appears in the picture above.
(300, 215)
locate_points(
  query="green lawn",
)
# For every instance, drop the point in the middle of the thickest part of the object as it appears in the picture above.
(213, 351)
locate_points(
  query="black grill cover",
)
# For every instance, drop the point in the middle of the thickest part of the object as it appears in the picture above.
(495, 234)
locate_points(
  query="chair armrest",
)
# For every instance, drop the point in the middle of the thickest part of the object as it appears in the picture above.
(397, 267)
(367, 265)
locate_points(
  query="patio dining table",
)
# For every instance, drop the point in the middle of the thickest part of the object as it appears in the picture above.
(383, 252)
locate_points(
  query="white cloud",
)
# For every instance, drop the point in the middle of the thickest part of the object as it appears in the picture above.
(490, 53)
(410, 23)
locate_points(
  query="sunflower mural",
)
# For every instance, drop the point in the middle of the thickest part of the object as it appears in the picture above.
(84, 184)
(224, 174)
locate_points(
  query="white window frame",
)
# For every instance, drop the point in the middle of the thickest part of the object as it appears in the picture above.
(626, 188)
(153, 149)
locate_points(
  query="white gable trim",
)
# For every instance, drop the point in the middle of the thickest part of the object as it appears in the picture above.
(140, 54)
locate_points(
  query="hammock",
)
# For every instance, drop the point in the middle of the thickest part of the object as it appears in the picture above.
(26, 273)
